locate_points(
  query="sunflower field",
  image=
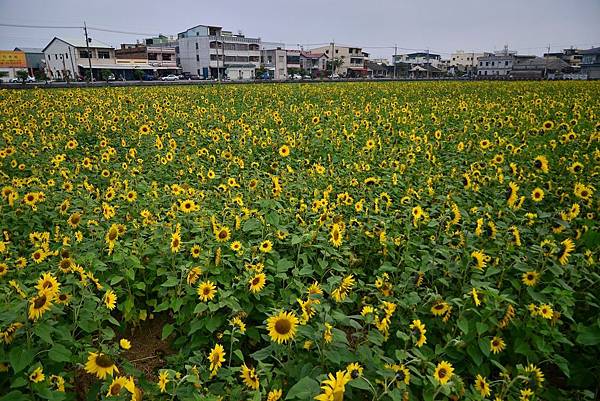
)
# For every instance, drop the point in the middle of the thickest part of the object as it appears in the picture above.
(350, 241)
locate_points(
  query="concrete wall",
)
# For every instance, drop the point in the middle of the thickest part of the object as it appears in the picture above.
(61, 60)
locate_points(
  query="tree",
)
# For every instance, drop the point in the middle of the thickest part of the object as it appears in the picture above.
(138, 74)
(105, 74)
(22, 75)
(337, 63)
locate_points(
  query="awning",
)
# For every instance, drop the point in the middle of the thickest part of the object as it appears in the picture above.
(358, 69)
(126, 67)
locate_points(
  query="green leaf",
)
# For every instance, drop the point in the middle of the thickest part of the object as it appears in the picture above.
(170, 282)
(196, 325)
(239, 354)
(43, 330)
(167, 330)
(588, 335)
(15, 395)
(305, 389)
(463, 325)
(360, 383)
(115, 279)
(20, 358)
(59, 353)
(563, 364)
(214, 322)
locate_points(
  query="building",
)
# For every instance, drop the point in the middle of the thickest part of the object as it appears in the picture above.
(159, 60)
(590, 63)
(540, 67)
(293, 61)
(11, 61)
(464, 62)
(69, 59)
(379, 69)
(34, 58)
(571, 56)
(314, 64)
(351, 59)
(419, 58)
(211, 52)
(275, 61)
(498, 64)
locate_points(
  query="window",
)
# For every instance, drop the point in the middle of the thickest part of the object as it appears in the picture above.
(103, 54)
(84, 54)
(56, 57)
(196, 45)
(493, 63)
(481, 63)
(166, 57)
(152, 56)
(506, 63)
(67, 56)
(487, 63)
(197, 57)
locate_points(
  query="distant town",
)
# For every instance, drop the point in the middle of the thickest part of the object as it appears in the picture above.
(206, 52)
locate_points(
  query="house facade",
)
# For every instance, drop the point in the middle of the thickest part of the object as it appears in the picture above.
(211, 52)
(464, 62)
(352, 59)
(69, 58)
(275, 61)
(421, 59)
(315, 64)
(34, 58)
(590, 63)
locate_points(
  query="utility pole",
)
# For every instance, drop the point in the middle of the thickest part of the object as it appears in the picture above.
(428, 67)
(87, 46)
(332, 57)
(395, 54)
(218, 69)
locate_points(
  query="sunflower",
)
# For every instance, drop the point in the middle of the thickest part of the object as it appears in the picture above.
(37, 375)
(541, 163)
(336, 236)
(439, 308)
(48, 283)
(110, 299)
(545, 311)
(144, 129)
(548, 125)
(316, 119)
(537, 195)
(402, 374)
(512, 194)
(535, 375)
(40, 304)
(195, 251)
(582, 191)
(257, 283)
(568, 246)
(119, 383)
(206, 291)
(282, 327)
(187, 206)
(216, 358)
(497, 344)
(479, 258)
(418, 330)
(163, 379)
(443, 372)
(175, 242)
(354, 370)
(333, 387)
(576, 168)
(284, 151)
(266, 246)
(222, 234)
(482, 386)
(74, 219)
(530, 278)
(101, 365)
(249, 377)
(125, 343)
(274, 395)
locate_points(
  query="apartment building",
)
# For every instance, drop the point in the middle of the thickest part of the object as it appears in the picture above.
(464, 62)
(160, 60)
(352, 59)
(275, 61)
(421, 59)
(211, 52)
(590, 63)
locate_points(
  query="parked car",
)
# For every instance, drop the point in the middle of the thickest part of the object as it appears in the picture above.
(148, 77)
(306, 77)
(170, 77)
(334, 76)
(296, 76)
(29, 79)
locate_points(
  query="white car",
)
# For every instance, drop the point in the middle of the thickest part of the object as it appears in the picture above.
(29, 79)
(296, 76)
(170, 77)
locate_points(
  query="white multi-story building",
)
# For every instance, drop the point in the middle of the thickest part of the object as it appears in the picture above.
(465, 62)
(353, 59)
(422, 59)
(69, 58)
(210, 52)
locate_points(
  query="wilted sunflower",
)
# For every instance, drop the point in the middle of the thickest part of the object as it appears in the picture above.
(443, 372)
(418, 330)
(101, 365)
(282, 327)
(480, 259)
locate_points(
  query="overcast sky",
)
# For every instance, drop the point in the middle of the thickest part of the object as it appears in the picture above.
(527, 26)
